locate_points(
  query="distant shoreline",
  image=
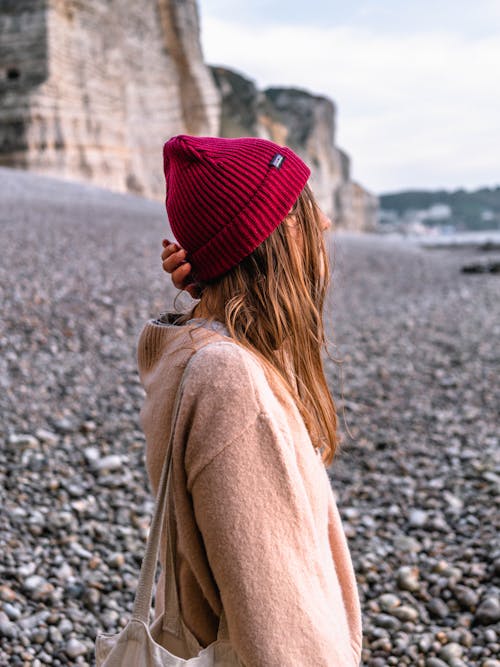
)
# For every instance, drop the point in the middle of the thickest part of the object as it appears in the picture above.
(483, 240)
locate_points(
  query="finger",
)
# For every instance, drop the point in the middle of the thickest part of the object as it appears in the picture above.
(169, 250)
(165, 242)
(173, 262)
(180, 277)
(173, 257)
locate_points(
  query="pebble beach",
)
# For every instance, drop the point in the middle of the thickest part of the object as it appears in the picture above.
(413, 367)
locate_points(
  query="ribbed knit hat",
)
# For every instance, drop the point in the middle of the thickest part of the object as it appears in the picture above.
(226, 196)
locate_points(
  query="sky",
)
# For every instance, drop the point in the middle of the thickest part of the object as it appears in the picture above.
(416, 84)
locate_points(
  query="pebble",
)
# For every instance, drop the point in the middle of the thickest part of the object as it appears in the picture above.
(407, 578)
(22, 440)
(65, 626)
(12, 611)
(116, 560)
(417, 518)
(387, 621)
(64, 425)
(47, 436)
(92, 455)
(92, 597)
(435, 662)
(488, 611)
(438, 608)
(37, 587)
(405, 543)
(27, 623)
(451, 651)
(425, 642)
(80, 551)
(109, 463)
(74, 648)
(405, 613)
(39, 635)
(467, 598)
(55, 634)
(7, 628)
(7, 594)
(490, 635)
(388, 601)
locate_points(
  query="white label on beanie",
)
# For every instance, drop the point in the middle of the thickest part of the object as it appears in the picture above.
(277, 160)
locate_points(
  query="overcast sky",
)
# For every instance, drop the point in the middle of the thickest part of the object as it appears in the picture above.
(417, 84)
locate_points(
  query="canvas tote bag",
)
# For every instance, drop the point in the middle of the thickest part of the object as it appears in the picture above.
(142, 645)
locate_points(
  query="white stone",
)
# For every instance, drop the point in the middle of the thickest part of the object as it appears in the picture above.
(109, 463)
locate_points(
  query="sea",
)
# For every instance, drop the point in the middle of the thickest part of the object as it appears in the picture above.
(439, 237)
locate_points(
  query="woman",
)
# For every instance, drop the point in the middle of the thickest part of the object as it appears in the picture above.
(258, 533)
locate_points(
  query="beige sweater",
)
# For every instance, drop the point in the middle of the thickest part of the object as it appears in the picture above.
(258, 526)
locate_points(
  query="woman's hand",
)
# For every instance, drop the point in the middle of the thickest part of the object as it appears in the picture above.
(174, 262)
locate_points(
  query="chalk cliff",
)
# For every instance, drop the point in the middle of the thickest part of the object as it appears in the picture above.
(90, 90)
(306, 123)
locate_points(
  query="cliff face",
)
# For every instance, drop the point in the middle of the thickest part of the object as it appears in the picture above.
(90, 91)
(306, 123)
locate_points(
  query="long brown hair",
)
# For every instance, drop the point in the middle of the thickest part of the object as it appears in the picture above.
(272, 304)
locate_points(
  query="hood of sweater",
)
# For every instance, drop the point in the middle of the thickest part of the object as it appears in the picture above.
(165, 345)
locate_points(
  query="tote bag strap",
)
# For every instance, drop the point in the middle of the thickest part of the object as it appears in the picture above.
(143, 597)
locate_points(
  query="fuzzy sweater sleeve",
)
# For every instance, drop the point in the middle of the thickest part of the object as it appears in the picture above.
(277, 579)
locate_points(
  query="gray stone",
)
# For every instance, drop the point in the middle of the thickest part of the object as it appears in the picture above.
(7, 628)
(488, 611)
(438, 608)
(6, 593)
(47, 436)
(55, 634)
(22, 440)
(387, 621)
(425, 642)
(109, 463)
(405, 543)
(28, 623)
(37, 587)
(80, 551)
(92, 597)
(92, 455)
(116, 560)
(417, 518)
(467, 598)
(39, 635)
(12, 611)
(44, 592)
(65, 626)
(388, 601)
(451, 651)
(435, 662)
(75, 648)
(405, 613)
(408, 578)
(490, 635)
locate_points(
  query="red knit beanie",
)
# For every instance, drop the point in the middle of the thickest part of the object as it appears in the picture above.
(226, 196)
